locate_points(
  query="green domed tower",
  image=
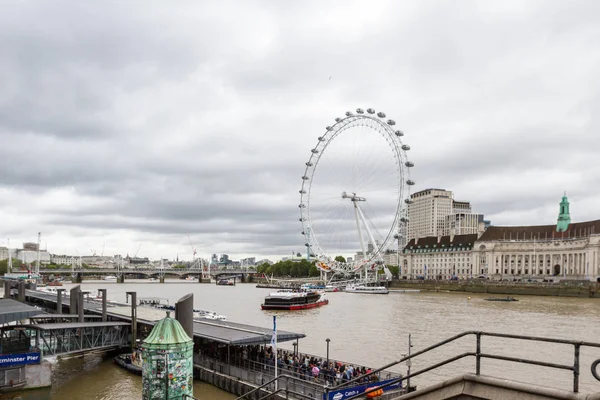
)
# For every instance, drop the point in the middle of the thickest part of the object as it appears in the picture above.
(564, 217)
(167, 362)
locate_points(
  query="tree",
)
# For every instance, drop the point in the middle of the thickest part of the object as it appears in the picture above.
(340, 259)
(16, 265)
(394, 269)
(294, 271)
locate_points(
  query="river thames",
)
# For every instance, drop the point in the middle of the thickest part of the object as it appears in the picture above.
(370, 330)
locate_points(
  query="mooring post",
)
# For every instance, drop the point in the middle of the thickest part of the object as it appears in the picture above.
(184, 313)
(103, 291)
(59, 295)
(7, 288)
(21, 292)
(73, 296)
(80, 305)
(133, 319)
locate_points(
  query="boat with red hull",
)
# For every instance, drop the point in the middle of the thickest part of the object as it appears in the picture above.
(294, 300)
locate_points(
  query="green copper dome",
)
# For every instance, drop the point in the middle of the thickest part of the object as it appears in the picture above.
(167, 332)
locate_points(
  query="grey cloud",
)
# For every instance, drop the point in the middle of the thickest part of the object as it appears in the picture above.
(167, 120)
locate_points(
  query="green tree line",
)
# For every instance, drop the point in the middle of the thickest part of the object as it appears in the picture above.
(295, 269)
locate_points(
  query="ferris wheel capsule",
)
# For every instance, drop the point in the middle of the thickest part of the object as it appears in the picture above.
(399, 133)
(405, 147)
(338, 119)
(370, 111)
(409, 164)
(315, 151)
(360, 111)
(328, 128)
(349, 113)
(408, 201)
(410, 183)
(305, 178)
(321, 139)
(309, 164)
(381, 114)
(391, 122)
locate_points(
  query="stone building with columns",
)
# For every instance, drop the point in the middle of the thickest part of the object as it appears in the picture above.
(564, 251)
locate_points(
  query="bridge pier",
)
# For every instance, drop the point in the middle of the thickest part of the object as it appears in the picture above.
(162, 279)
(78, 277)
(121, 278)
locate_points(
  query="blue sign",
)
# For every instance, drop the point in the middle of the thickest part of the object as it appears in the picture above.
(10, 360)
(354, 390)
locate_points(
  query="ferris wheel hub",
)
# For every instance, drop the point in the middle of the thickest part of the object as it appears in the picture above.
(352, 197)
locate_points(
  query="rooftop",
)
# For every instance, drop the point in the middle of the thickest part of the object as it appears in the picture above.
(540, 232)
(233, 333)
(12, 310)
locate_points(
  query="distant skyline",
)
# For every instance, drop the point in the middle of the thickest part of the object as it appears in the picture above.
(140, 123)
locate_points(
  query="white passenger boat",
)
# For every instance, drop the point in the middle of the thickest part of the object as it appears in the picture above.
(111, 278)
(331, 288)
(367, 289)
(208, 315)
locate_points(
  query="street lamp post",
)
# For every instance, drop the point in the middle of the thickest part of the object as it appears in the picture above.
(408, 363)
(328, 340)
(295, 350)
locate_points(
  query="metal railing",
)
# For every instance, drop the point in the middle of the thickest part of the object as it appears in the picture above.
(292, 370)
(286, 389)
(478, 354)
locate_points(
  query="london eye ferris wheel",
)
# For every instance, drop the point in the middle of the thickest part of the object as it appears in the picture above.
(355, 187)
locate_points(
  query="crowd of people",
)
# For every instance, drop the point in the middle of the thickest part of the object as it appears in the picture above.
(303, 366)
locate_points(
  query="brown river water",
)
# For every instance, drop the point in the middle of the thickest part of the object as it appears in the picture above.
(369, 330)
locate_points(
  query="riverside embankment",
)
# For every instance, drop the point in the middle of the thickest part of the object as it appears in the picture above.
(582, 290)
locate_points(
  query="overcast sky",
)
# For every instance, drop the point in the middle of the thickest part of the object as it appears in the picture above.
(138, 122)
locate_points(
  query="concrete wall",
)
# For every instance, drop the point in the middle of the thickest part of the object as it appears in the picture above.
(39, 375)
(584, 291)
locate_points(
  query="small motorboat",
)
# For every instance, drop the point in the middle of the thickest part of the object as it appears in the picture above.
(205, 314)
(507, 298)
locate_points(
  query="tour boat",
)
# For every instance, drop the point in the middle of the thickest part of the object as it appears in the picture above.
(110, 278)
(331, 288)
(225, 282)
(367, 289)
(293, 300)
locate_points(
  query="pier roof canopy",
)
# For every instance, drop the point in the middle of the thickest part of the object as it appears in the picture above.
(12, 310)
(233, 333)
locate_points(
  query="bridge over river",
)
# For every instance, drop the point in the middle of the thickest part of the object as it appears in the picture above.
(203, 276)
